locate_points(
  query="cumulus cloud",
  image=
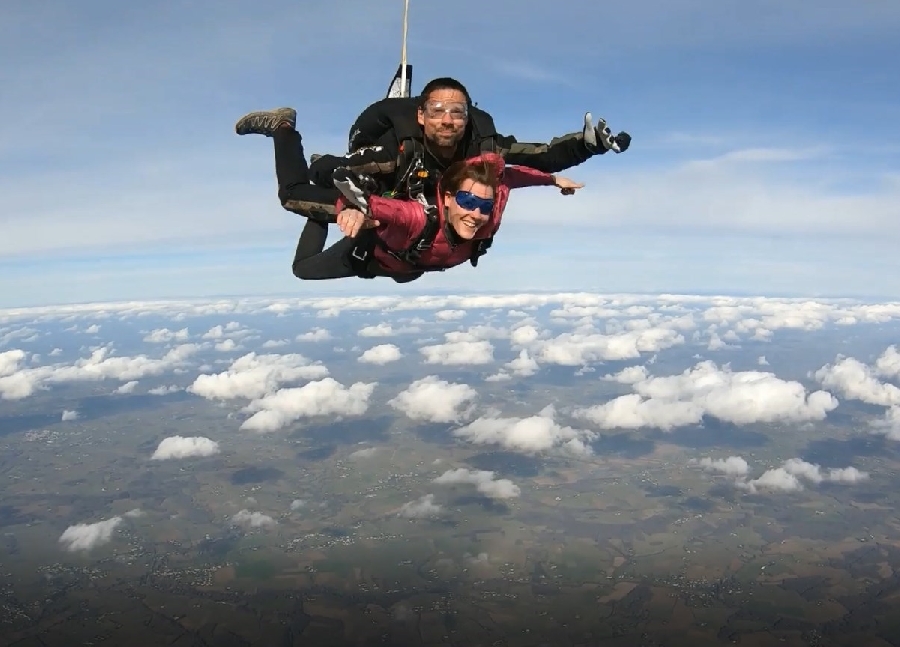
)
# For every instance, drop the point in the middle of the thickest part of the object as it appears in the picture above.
(253, 376)
(483, 480)
(381, 354)
(576, 349)
(856, 381)
(731, 466)
(128, 387)
(381, 330)
(101, 365)
(248, 519)
(320, 398)
(368, 452)
(523, 366)
(420, 508)
(316, 334)
(530, 435)
(86, 536)
(69, 415)
(434, 400)
(524, 335)
(792, 475)
(888, 363)
(227, 345)
(705, 389)
(163, 335)
(629, 375)
(449, 315)
(889, 426)
(10, 361)
(230, 330)
(185, 447)
(458, 353)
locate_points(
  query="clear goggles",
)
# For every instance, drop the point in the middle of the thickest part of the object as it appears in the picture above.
(437, 110)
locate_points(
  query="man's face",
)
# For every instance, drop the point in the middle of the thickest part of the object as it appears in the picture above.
(444, 118)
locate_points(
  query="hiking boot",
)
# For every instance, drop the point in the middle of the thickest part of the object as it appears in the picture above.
(265, 122)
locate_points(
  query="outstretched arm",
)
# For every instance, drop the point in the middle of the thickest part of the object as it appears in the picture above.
(517, 177)
(561, 153)
(566, 151)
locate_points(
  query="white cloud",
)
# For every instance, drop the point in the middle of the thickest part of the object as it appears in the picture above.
(794, 472)
(229, 331)
(381, 354)
(253, 376)
(532, 434)
(163, 335)
(185, 447)
(889, 426)
(524, 335)
(888, 363)
(381, 330)
(10, 360)
(316, 334)
(86, 536)
(476, 333)
(629, 375)
(249, 519)
(524, 365)
(854, 380)
(740, 398)
(320, 398)
(576, 349)
(449, 315)
(69, 415)
(128, 387)
(227, 345)
(731, 466)
(434, 400)
(421, 508)
(99, 366)
(483, 480)
(458, 353)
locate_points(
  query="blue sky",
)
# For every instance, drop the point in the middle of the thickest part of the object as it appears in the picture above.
(766, 155)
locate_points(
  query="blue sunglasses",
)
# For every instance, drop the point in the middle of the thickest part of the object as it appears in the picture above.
(471, 202)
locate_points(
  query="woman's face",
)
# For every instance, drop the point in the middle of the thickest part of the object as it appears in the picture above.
(470, 208)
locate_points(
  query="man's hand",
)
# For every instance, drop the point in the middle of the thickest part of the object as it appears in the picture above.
(352, 221)
(599, 139)
(568, 186)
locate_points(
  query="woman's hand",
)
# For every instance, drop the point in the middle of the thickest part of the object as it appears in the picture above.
(568, 186)
(352, 221)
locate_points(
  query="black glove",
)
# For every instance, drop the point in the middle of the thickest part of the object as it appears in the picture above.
(322, 169)
(599, 139)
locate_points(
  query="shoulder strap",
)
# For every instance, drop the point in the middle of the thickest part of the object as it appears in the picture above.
(415, 181)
